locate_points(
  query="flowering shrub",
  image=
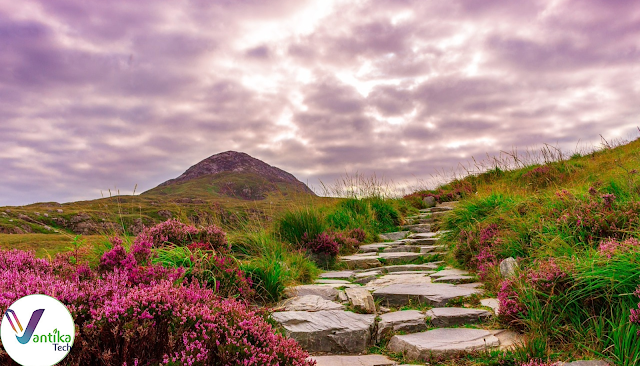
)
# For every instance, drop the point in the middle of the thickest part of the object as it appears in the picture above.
(542, 176)
(635, 313)
(357, 234)
(511, 308)
(346, 244)
(120, 321)
(453, 192)
(323, 244)
(174, 232)
(479, 249)
(610, 246)
(547, 276)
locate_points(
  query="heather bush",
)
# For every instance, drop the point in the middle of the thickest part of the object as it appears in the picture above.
(158, 321)
(174, 232)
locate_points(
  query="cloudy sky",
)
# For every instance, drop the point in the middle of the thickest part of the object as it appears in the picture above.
(102, 94)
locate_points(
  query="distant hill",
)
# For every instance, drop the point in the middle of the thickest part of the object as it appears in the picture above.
(231, 174)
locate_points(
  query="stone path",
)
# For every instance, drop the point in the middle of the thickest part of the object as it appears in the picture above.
(345, 312)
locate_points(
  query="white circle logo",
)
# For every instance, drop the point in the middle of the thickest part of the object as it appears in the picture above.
(37, 330)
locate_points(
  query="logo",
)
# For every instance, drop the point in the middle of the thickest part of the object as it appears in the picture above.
(48, 335)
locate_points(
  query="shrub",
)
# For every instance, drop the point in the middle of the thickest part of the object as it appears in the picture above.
(174, 232)
(158, 322)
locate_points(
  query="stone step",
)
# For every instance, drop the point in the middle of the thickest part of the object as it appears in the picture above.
(398, 279)
(417, 228)
(455, 279)
(402, 248)
(324, 291)
(410, 267)
(397, 235)
(421, 241)
(434, 294)
(441, 209)
(332, 331)
(407, 321)
(423, 235)
(373, 248)
(308, 303)
(337, 275)
(447, 317)
(365, 360)
(443, 341)
(360, 262)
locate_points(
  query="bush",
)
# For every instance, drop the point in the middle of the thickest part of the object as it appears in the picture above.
(306, 223)
(174, 232)
(159, 322)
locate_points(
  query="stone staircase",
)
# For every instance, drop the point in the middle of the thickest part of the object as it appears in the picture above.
(345, 312)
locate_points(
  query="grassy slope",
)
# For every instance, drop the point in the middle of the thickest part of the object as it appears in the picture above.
(559, 214)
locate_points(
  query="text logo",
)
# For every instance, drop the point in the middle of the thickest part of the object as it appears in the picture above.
(48, 335)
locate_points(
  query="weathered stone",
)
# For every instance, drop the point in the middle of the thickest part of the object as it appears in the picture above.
(337, 275)
(361, 299)
(370, 272)
(366, 360)
(422, 235)
(409, 267)
(426, 273)
(308, 303)
(435, 294)
(446, 317)
(441, 209)
(450, 204)
(417, 228)
(402, 248)
(455, 279)
(330, 281)
(389, 280)
(422, 241)
(332, 331)
(326, 292)
(409, 321)
(353, 262)
(365, 280)
(399, 257)
(442, 341)
(424, 249)
(429, 201)
(397, 235)
(372, 248)
(508, 338)
(450, 272)
(491, 303)
(508, 267)
(587, 363)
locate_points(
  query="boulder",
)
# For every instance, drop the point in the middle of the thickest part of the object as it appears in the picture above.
(429, 201)
(508, 267)
(332, 331)
(361, 299)
(446, 317)
(443, 341)
(325, 292)
(494, 304)
(408, 321)
(308, 303)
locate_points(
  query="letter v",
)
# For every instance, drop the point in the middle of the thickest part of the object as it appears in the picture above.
(31, 327)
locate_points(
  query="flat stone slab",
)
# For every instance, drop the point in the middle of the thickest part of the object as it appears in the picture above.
(366, 360)
(353, 262)
(455, 279)
(337, 275)
(371, 272)
(308, 303)
(508, 338)
(422, 235)
(372, 248)
(332, 331)
(434, 294)
(441, 209)
(450, 272)
(426, 273)
(409, 321)
(397, 235)
(418, 228)
(402, 248)
(324, 291)
(330, 281)
(399, 257)
(420, 346)
(388, 280)
(409, 267)
(446, 317)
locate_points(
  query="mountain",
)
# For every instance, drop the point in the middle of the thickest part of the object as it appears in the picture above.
(231, 174)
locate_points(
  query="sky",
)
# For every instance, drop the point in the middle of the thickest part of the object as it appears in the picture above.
(98, 95)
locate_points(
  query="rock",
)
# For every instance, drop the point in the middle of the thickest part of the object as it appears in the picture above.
(59, 210)
(508, 338)
(409, 321)
(388, 280)
(399, 257)
(332, 331)
(325, 281)
(450, 204)
(446, 317)
(450, 272)
(491, 303)
(508, 267)
(429, 201)
(337, 275)
(342, 297)
(587, 363)
(409, 267)
(366, 360)
(441, 209)
(394, 236)
(308, 303)
(455, 279)
(364, 280)
(361, 299)
(325, 292)
(426, 273)
(45, 214)
(434, 294)
(372, 248)
(421, 346)
(417, 228)
(354, 261)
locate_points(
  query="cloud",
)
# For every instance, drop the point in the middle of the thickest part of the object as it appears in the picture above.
(94, 95)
